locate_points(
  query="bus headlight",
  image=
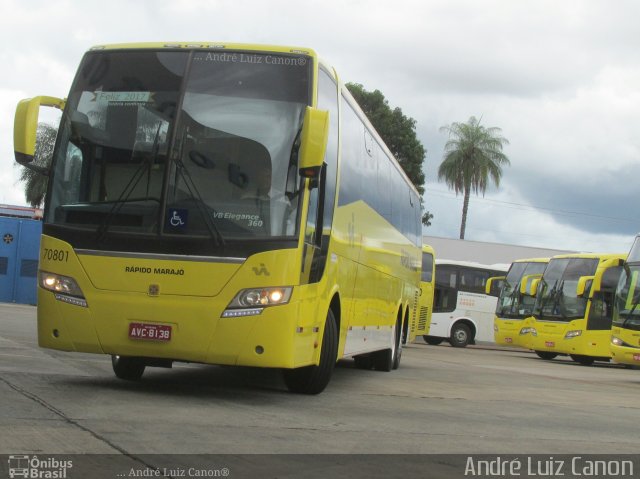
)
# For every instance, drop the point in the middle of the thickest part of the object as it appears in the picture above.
(531, 331)
(250, 302)
(573, 334)
(619, 342)
(65, 288)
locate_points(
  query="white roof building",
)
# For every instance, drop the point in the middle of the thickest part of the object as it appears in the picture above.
(485, 253)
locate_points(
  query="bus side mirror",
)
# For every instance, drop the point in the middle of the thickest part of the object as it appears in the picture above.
(313, 142)
(25, 126)
(584, 286)
(494, 285)
(529, 284)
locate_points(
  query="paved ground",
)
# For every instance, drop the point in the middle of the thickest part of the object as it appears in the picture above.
(441, 400)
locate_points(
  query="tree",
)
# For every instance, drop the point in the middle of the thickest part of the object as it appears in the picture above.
(35, 183)
(472, 157)
(398, 132)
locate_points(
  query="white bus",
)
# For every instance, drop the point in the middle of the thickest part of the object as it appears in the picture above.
(462, 312)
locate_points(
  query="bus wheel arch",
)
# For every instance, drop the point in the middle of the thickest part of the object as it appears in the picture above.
(335, 307)
(462, 333)
(313, 379)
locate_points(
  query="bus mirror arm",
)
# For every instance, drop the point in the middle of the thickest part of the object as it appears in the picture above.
(584, 285)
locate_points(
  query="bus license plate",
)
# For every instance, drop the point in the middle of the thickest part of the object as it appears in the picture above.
(636, 357)
(549, 344)
(508, 340)
(154, 332)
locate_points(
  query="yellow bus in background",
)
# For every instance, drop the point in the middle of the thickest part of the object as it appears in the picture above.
(514, 308)
(625, 331)
(425, 304)
(225, 204)
(574, 307)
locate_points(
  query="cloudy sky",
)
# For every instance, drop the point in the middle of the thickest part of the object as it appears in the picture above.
(560, 78)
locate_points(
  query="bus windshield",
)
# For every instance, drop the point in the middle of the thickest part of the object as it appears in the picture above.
(190, 144)
(511, 304)
(627, 310)
(557, 299)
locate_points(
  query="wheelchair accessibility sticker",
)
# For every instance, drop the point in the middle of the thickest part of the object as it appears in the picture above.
(177, 219)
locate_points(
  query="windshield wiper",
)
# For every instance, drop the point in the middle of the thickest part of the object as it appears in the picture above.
(629, 317)
(544, 301)
(145, 165)
(214, 231)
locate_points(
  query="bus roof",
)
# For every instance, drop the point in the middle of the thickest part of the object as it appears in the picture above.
(221, 46)
(473, 264)
(600, 256)
(428, 249)
(532, 260)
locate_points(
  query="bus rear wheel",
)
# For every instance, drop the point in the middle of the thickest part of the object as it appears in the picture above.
(546, 354)
(401, 339)
(128, 368)
(313, 379)
(432, 340)
(584, 360)
(460, 335)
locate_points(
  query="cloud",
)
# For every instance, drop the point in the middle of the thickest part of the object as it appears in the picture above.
(560, 78)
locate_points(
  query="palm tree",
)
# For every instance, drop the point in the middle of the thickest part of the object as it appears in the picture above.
(472, 156)
(35, 183)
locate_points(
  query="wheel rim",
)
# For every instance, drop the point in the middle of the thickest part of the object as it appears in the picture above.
(460, 335)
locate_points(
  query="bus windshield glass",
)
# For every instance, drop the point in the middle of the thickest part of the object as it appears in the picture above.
(557, 299)
(634, 254)
(627, 310)
(191, 144)
(512, 304)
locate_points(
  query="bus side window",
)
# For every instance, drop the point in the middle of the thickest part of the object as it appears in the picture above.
(446, 294)
(601, 311)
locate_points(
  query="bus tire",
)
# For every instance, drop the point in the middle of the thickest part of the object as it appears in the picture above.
(584, 360)
(460, 335)
(128, 368)
(363, 361)
(432, 340)
(383, 360)
(313, 379)
(400, 340)
(546, 355)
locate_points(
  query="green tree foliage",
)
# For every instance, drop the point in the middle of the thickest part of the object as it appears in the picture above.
(35, 184)
(398, 132)
(472, 157)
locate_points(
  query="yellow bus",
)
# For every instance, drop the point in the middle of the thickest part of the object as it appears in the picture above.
(574, 307)
(425, 305)
(224, 204)
(514, 308)
(625, 331)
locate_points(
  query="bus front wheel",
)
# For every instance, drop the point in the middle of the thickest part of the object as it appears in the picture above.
(128, 368)
(432, 340)
(313, 379)
(584, 360)
(460, 335)
(546, 354)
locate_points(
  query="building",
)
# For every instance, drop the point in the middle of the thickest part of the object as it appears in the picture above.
(485, 253)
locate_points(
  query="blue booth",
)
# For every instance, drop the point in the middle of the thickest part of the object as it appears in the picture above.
(19, 250)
